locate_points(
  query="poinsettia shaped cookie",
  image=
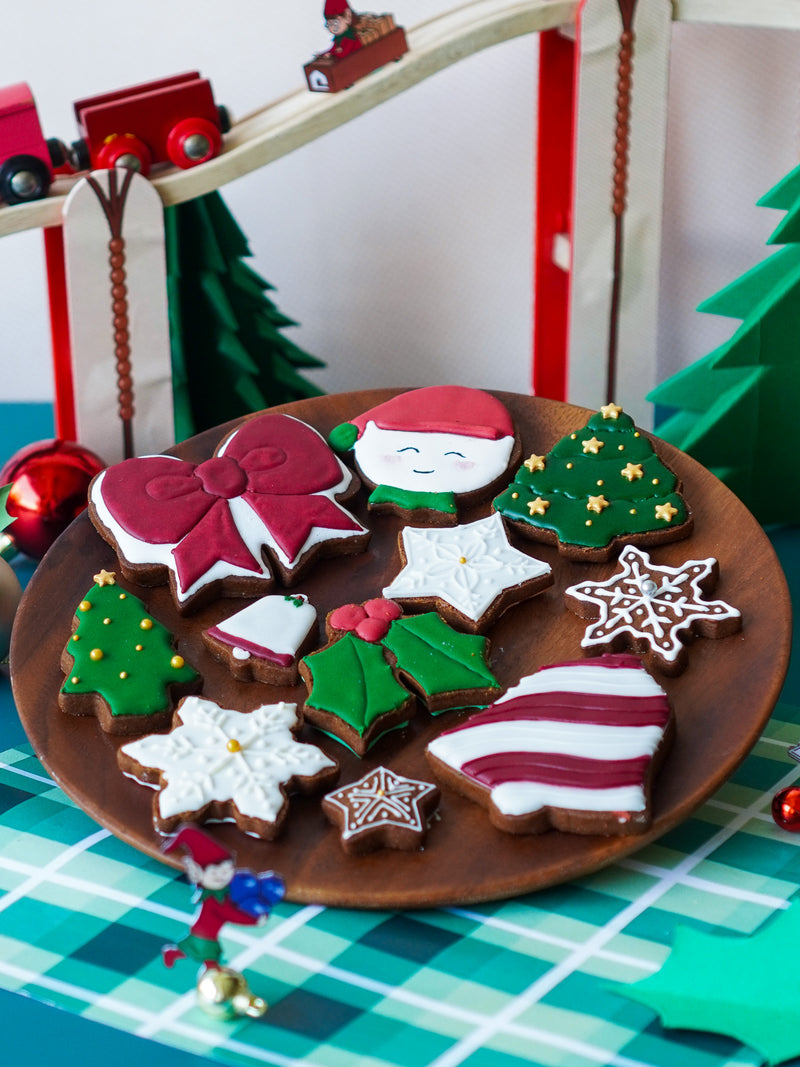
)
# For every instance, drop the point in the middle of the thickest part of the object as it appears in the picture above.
(574, 746)
(269, 498)
(429, 451)
(597, 489)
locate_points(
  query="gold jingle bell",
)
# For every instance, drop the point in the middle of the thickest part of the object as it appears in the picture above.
(225, 994)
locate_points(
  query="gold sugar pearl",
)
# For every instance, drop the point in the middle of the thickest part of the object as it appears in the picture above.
(233, 745)
(588, 522)
(106, 622)
(146, 624)
(123, 675)
(96, 654)
(573, 437)
(620, 448)
(655, 481)
(462, 559)
(600, 481)
(75, 637)
(569, 466)
(74, 679)
(632, 511)
(139, 648)
(515, 496)
(85, 605)
(176, 662)
(123, 596)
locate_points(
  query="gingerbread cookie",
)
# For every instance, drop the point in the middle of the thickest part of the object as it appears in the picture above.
(272, 491)
(120, 663)
(355, 690)
(429, 451)
(598, 489)
(264, 641)
(382, 810)
(470, 574)
(219, 765)
(574, 746)
(653, 610)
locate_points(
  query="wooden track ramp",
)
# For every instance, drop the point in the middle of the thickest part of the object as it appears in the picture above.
(300, 117)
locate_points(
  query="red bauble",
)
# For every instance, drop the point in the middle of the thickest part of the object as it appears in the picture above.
(786, 808)
(49, 480)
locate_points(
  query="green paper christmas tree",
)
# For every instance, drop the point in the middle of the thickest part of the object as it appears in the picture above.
(229, 354)
(119, 652)
(735, 405)
(597, 484)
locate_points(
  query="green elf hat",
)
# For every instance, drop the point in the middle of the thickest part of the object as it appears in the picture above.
(455, 409)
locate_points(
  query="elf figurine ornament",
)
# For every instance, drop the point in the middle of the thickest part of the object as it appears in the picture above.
(340, 21)
(226, 895)
(428, 451)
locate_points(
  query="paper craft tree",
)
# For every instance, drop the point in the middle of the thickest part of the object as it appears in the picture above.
(229, 355)
(731, 985)
(736, 404)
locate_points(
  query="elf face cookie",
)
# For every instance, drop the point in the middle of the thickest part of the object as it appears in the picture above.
(264, 641)
(573, 746)
(651, 609)
(271, 492)
(120, 663)
(426, 451)
(220, 765)
(599, 488)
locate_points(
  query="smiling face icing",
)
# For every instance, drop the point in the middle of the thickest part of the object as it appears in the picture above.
(430, 462)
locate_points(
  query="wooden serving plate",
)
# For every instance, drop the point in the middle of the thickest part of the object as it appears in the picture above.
(721, 701)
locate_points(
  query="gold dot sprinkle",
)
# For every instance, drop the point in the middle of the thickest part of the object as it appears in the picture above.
(96, 654)
(637, 434)
(146, 624)
(515, 496)
(176, 662)
(106, 621)
(632, 511)
(573, 437)
(74, 679)
(139, 648)
(123, 596)
(570, 466)
(233, 745)
(620, 448)
(75, 637)
(123, 675)
(600, 481)
(655, 481)
(462, 559)
(85, 605)
(588, 522)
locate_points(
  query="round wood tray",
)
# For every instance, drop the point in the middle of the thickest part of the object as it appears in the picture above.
(721, 701)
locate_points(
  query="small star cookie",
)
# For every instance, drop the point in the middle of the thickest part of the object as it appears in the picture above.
(382, 810)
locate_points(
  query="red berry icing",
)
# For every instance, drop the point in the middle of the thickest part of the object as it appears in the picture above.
(373, 629)
(347, 617)
(381, 608)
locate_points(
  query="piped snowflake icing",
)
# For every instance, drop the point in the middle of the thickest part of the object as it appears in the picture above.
(227, 765)
(653, 608)
(471, 567)
(271, 489)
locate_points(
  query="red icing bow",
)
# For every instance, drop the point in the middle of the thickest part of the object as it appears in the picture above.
(280, 467)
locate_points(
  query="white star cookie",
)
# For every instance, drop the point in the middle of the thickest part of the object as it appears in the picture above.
(651, 609)
(218, 765)
(470, 573)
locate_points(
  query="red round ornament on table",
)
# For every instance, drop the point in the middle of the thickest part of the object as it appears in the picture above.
(786, 808)
(50, 480)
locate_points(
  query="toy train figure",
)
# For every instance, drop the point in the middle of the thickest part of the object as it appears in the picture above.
(361, 44)
(172, 120)
(27, 160)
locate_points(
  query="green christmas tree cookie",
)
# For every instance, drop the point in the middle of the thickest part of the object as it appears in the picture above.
(599, 488)
(355, 692)
(120, 664)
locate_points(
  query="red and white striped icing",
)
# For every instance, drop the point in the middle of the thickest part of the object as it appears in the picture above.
(578, 736)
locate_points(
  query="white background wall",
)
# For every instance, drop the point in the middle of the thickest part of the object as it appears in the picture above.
(402, 243)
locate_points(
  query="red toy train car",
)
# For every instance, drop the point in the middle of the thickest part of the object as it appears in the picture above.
(172, 120)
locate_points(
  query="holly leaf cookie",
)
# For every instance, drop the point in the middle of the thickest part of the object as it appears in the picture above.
(382, 810)
(269, 500)
(574, 747)
(120, 663)
(651, 609)
(600, 487)
(470, 574)
(354, 683)
(220, 765)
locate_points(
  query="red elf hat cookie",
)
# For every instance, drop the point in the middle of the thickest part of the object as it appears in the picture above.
(454, 409)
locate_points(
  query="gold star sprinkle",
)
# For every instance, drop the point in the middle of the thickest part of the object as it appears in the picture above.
(597, 504)
(631, 471)
(534, 462)
(592, 445)
(666, 511)
(538, 506)
(104, 577)
(611, 411)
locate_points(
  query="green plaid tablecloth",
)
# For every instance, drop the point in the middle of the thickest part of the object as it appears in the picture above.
(83, 918)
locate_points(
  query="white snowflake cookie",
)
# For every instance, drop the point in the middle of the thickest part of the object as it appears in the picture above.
(219, 765)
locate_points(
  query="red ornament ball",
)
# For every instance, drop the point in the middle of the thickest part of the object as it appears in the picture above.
(786, 808)
(49, 487)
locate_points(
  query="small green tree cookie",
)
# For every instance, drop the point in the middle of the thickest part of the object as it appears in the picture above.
(599, 488)
(120, 663)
